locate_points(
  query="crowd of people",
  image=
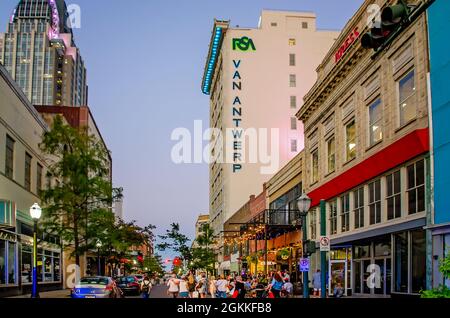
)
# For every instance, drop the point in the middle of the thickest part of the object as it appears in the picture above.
(275, 285)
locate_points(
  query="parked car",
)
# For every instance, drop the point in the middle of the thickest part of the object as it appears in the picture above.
(96, 287)
(129, 285)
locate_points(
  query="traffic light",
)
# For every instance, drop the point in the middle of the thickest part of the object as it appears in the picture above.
(309, 248)
(392, 19)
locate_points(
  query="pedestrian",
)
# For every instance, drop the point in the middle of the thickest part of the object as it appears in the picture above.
(173, 285)
(231, 287)
(277, 285)
(317, 283)
(239, 290)
(221, 285)
(191, 284)
(212, 287)
(288, 288)
(184, 287)
(201, 286)
(146, 287)
(338, 291)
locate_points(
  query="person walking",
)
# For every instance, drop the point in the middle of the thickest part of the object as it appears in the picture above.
(317, 283)
(288, 288)
(277, 285)
(213, 287)
(146, 287)
(239, 290)
(191, 284)
(173, 285)
(201, 286)
(184, 287)
(221, 285)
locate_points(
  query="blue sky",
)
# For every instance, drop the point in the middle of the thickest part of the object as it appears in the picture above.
(145, 60)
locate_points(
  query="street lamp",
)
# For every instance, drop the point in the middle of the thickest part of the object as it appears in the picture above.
(35, 213)
(99, 267)
(304, 203)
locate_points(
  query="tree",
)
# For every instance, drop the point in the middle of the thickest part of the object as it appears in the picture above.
(82, 192)
(203, 256)
(154, 264)
(176, 241)
(442, 291)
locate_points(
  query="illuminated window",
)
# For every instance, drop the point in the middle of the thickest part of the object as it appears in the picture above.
(375, 122)
(292, 42)
(407, 98)
(350, 134)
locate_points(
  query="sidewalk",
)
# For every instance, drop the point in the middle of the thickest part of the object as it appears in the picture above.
(64, 293)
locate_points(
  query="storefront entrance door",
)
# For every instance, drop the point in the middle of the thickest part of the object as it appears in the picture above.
(337, 270)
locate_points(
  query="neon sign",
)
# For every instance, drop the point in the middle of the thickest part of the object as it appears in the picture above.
(347, 43)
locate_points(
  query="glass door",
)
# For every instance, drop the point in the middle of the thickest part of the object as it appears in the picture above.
(337, 277)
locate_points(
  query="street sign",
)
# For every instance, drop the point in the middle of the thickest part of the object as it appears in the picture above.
(304, 265)
(324, 244)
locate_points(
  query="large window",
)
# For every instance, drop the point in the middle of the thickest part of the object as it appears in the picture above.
(416, 187)
(350, 141)
(27, 182)
(375, 202)
(333, 217)
(358, 198)
(313, 224)
(293, 123)
(393, 196)
(331, 155)
(292, 80)
(375, 122)
(315, 166)
(345, 212)
(401, 262)
(8, 274)
(291, 59)
(48, 266)
(418, 265)
(9, 157)
(407, 98)
(39, 179)
(27, 264)
(294, 102)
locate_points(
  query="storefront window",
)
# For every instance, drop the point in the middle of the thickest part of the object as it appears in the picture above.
(2, 262)
(418, 261)
(12, 277)
(39, 268)
(56, 267)
(401, 262)
(383, 247)
(26, 270)
(362, 251)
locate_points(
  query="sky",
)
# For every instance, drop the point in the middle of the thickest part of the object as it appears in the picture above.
(145, 62)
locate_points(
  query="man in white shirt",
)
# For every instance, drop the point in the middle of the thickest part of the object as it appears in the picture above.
(222, 285)
(173, 285)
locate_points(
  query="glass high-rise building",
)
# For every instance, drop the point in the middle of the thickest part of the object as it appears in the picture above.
(39, 51)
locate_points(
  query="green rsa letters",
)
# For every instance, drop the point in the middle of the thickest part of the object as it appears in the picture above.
(243, 44)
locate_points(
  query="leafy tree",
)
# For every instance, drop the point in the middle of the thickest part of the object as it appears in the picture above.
(82, 195)
(176, 241)
(442, 291)
(203, 256)
(154, 264)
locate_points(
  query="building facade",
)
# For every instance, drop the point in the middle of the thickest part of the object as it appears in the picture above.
(39, 51)
(367, 155)
(440, 108)
(201, 221)
(256, 78)
(22, 177)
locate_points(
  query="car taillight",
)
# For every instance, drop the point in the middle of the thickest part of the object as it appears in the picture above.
(109, 288)
(133, 284)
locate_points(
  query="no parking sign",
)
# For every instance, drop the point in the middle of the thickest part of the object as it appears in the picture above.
(304, 265)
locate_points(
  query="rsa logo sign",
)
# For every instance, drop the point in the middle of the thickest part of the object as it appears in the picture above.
(347, 43)
(243, 44)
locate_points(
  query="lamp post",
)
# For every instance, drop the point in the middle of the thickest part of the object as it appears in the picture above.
(35, 213)
(304, 203)
(99, 267)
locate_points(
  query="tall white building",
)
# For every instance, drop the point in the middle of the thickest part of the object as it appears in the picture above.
(256, 78)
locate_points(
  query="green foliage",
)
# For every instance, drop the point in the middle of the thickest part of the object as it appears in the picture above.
(203, 256)
(154, 265)
(442, 291)
(176, 241)
(77, 205)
